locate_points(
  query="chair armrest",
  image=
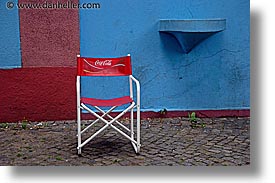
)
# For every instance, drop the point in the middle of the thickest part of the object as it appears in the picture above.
(138, 89)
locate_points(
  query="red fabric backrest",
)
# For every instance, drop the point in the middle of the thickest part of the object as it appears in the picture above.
(104, 66)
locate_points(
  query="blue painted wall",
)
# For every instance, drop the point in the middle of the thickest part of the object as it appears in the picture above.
(214, 75)
(10, 56)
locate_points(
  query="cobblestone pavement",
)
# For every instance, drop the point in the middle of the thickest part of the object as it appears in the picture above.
(170, 141)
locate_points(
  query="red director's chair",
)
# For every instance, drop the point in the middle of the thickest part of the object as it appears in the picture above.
(108, 67)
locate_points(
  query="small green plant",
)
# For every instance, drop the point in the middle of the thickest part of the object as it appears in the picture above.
(24, 123)
(163, 111)
(4, 125)
(58, 158)
(192, 117)
(195, 123)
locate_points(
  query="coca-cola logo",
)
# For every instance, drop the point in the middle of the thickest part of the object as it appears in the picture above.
(103, 63)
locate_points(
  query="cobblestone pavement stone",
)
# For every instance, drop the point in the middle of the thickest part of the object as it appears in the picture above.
(169, 141)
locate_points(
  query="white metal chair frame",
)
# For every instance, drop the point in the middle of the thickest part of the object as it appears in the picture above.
(81, 106)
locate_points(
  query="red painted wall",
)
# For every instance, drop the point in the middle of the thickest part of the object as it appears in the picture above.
(49, 37)
(37, 94)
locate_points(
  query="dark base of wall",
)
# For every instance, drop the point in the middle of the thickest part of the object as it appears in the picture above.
(200, 114)
(144, 115)
(174, 114)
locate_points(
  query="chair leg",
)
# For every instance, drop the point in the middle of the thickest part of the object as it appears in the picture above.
(132, 123)
(78, 130)
(79, 151)
(132, 132)
(138, 129)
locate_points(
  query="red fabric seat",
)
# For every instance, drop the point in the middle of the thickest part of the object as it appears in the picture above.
(107, 102)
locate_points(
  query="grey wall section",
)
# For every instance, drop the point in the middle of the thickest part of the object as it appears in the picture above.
(214, 75)
(10, 56)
